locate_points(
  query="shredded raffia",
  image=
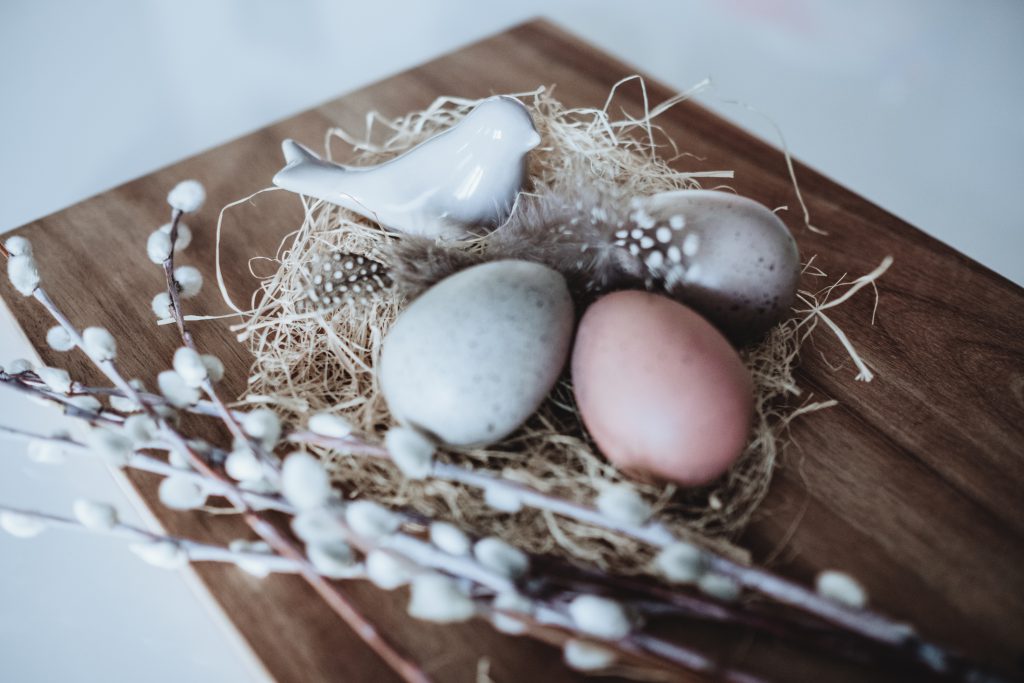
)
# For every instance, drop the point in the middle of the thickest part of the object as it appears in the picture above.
(309, 360)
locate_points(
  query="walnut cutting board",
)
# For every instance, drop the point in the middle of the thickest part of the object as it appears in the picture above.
(914, 483)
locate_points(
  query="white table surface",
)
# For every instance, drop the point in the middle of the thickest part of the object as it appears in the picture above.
(916, 105)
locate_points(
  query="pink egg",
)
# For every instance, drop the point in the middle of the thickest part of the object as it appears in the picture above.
(660, 389)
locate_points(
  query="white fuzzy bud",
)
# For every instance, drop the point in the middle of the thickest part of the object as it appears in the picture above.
(56, 379)
(503, 498)
(158, 246)
(248, 565)
(680, 562)
(189, 364)
(113, 447)
(58, 339)
(161, 305)
(99, 343)
(841, 588)
(162, 554)
(179, 459)
(304, 481)
(263, 424)
(331, 426)
(320, 526)
(18, 246)
(140, 429)
(21, 525)
(449, 538)
(23, 273)
(184, 235)
(511, 601)
(87, 403)
(501, 558)
(719, 586)
(584, 656)
(243, 465)
(370, 519)
(181, 493)
(387, 571)
(95, 515)
(190, 281)
(621, 503)
(176, 390)
(214, 368)
(124, 404)
(333, 560)
(411, 451)
(439, 599)
(187, 196)
(18, 366)
(46, 452)
(600, 617)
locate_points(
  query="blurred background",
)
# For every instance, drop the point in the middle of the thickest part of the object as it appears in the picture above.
(916, 105)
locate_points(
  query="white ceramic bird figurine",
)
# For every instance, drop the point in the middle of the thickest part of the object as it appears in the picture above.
(464, 177)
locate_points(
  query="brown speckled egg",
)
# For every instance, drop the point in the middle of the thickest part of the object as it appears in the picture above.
(660, 389)
(727, 256)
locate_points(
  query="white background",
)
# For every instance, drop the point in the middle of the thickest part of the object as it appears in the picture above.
(914, 104)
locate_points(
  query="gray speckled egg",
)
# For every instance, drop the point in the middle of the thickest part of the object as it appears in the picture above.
(471, 359)
(726, 256)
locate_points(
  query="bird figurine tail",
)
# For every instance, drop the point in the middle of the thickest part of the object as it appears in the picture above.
(305, 172)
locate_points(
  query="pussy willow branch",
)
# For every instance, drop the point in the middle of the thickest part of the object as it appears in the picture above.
(403, 666)
(172, 284)
(424, 554)
(898, 636)
(220, 407)
(863, 622)
(410, 548)
(194, 550)
(145, 463)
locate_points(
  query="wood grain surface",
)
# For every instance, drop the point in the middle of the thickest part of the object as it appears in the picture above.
(913, 483)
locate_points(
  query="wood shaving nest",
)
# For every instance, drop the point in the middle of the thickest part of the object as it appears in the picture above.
(309, 361)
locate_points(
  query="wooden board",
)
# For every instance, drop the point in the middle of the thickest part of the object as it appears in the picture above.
(913, 483)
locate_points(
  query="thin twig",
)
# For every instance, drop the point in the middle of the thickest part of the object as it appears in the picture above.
(194, 550)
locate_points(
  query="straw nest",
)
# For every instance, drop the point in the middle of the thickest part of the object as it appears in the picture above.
(313, 359)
